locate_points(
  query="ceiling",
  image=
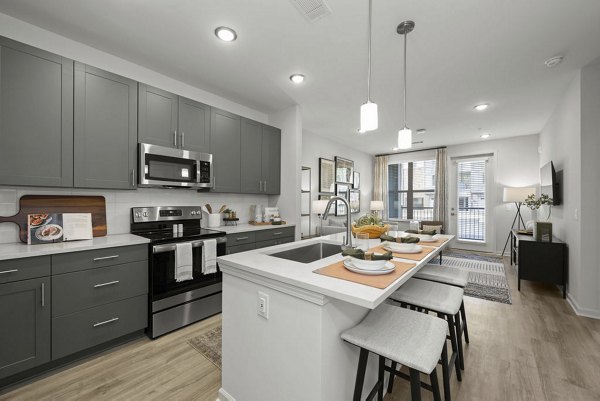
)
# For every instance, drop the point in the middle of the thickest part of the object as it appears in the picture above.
(461, 53)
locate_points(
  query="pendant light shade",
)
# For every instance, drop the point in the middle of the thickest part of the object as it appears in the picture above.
(368, 117)
(405, 138)
(368, 111)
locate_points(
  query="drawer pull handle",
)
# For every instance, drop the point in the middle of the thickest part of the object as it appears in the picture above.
(43, 295)
(114, 319)
(278, 233)
(106, 257)
(241, 238)
(9, 271)
(105, 284)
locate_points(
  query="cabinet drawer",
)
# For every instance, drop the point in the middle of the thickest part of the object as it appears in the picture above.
(274, 233)
(241, 238)
(76, 261)
(81, 330)
(23, 269)
(240, 248)
(271, 242)
(77, 291)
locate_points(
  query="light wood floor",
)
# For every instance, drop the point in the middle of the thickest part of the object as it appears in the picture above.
(534, 349)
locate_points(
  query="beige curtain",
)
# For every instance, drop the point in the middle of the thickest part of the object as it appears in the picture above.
(441, 197)
(380, 188)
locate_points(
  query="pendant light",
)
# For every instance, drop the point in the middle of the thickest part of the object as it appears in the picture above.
(368, 111)
(405, 134)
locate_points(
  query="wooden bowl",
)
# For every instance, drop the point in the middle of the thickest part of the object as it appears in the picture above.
(372, 230)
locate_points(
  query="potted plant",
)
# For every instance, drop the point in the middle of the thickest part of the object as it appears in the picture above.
(534, 203)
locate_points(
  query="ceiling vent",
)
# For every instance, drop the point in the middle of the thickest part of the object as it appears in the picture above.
(312, 10)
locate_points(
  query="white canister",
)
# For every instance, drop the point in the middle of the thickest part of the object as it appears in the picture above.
(214, 220)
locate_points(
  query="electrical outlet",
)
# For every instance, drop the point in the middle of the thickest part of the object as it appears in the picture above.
(263, 305)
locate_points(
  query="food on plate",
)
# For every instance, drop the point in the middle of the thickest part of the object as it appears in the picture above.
(38, 219)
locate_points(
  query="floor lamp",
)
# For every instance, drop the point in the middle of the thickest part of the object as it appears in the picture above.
(516, 196)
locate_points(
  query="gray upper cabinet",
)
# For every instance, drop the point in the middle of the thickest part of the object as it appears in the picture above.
(251, 164)
(36, 116)
(225, 142)
(105, 139)
(271, 160)
(157, 116)
(194, 125)
(25, 317)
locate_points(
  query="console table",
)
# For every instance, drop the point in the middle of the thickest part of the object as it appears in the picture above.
(540, 261)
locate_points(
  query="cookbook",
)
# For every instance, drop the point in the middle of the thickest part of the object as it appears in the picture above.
(46, 228)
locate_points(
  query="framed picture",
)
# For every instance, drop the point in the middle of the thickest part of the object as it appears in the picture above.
(326, 175)
(342, 190)
(344, 170)
(356, 180)
(354, 201)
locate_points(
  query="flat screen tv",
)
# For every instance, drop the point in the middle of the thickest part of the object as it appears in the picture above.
(548, 183)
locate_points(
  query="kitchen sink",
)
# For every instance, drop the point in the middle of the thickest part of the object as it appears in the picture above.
(309, 253)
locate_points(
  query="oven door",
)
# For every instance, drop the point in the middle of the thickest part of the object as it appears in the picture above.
(162, 270)
(169, 167)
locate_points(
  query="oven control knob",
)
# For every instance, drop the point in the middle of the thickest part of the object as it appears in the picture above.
(145, 214)
(193, 213)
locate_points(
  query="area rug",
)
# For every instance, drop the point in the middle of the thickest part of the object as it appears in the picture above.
(209, 344)
(487, 277)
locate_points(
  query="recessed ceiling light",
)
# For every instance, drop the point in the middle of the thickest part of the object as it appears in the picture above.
(485, 135)
(421, 131)
(554, 61)
(481, 107)
(225, 34)
(297, 78)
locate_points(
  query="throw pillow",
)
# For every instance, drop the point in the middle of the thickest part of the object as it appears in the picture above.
(438, 229)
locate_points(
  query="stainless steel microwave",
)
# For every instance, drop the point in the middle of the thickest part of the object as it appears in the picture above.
(168, 167)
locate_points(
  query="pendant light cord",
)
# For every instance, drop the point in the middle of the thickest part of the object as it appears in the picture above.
(405, 42)
(369, 68)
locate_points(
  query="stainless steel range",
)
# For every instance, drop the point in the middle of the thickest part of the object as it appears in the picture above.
(175, 303)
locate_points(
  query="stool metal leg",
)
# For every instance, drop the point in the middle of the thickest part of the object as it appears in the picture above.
(415, 385)
(446, 373)
(463, 315)
(392, 377)
(435, 387)
(380, 380)
(360, 373)
(461, 356)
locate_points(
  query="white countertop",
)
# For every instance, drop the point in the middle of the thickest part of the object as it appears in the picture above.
(259, 262)
(17, 250)
(242, 228)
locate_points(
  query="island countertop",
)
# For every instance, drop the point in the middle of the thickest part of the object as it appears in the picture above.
(259, 262)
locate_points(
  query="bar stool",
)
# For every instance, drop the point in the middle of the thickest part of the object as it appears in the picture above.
(450, 276)
(443, 299)
(409, 338)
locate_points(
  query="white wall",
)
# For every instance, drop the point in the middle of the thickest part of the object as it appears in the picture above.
(315, 146)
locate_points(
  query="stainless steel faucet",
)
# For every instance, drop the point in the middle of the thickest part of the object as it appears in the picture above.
(348, 239)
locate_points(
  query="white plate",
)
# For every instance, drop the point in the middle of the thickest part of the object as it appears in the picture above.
(39, 233)
(424, 238)
(401, 248)
(368, 264)
(389, 267)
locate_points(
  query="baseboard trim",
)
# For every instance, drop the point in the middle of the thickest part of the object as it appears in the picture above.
(224, 395)
(591, 313)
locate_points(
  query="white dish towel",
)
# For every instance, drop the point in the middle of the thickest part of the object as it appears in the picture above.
(184, 264)
(209, 256)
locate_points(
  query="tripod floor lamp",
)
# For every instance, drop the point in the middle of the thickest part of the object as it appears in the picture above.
(516, 196)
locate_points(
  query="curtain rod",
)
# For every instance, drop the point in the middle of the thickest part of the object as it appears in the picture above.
(410, 151)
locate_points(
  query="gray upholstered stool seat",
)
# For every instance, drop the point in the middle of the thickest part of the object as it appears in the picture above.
(444, 275)
(429, 295)
(401, 335)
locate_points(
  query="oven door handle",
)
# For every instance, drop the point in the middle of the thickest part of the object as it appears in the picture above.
(171, 247)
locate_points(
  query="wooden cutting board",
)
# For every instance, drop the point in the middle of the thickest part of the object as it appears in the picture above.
(32, 204)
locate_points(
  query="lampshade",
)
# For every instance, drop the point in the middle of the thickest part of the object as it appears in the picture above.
(376, 205)
(404, 138)
(517, 194)
(368, 117)
(319, 206)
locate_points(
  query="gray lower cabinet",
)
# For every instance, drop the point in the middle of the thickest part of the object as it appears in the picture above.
(105, 131)
(157, 112)
(271, 160)
(248, 240)
(25, 317)
(36, 123)
(194, 125)
(225, 143)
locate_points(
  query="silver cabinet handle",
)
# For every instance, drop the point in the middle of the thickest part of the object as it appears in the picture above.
(278, 233)
(106, 257)
(175, 138)
(9, 271)
(133, 177)
(265, 186)
(105, 284)
(241, 238)
(114, 319)
(182, 144)
(260, 186)
(43, 295)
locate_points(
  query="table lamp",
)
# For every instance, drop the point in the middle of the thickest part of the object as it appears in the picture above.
(376, 206)
(318, 207)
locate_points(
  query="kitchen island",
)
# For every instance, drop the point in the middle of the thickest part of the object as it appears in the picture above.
(290, 347)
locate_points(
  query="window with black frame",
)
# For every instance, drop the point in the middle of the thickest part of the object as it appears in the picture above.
(411, 190)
